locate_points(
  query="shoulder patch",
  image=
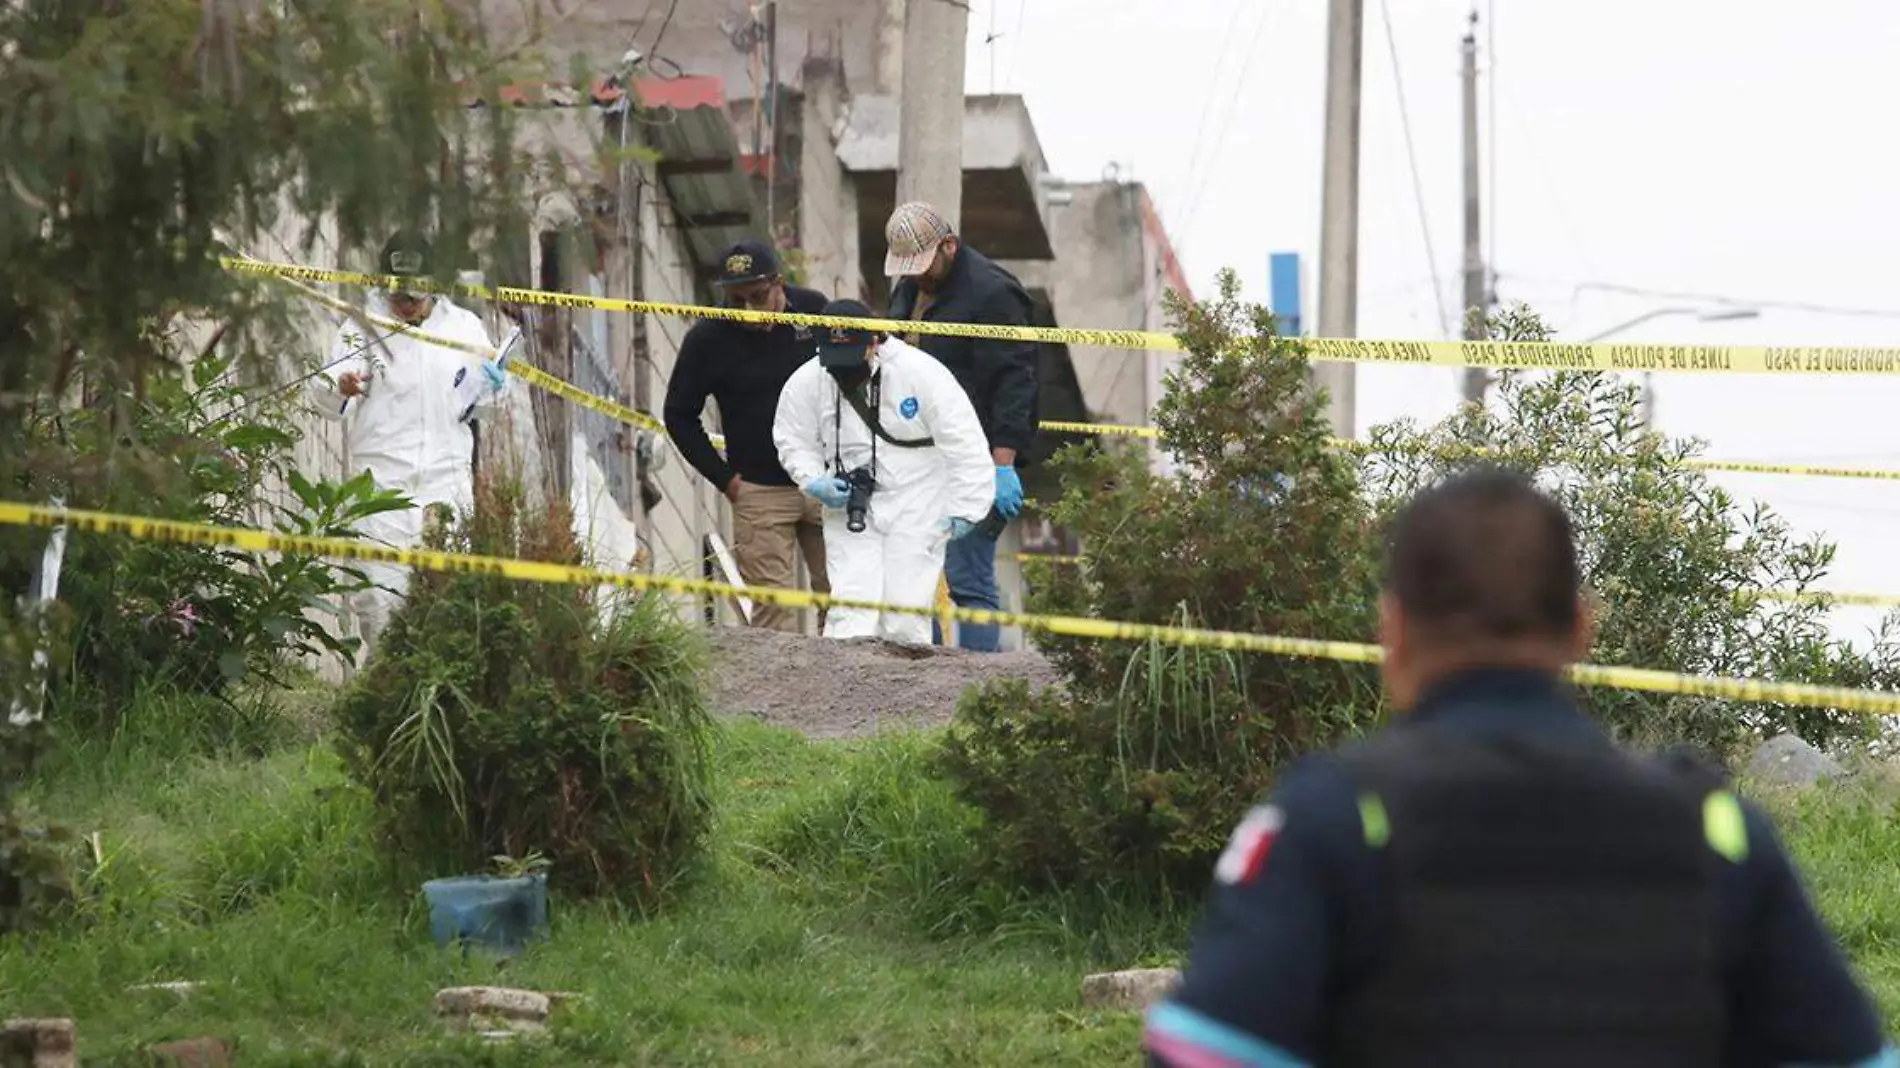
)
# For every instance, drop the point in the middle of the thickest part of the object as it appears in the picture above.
(1724, 825)
(1246, 851)
(907, 407)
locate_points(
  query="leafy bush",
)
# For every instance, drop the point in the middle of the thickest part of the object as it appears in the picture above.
(198, 619)
(34, 880)
(1674, 559)
(1155, 750)
(503, 718)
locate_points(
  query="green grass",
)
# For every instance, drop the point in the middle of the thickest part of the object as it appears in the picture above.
(836, 922)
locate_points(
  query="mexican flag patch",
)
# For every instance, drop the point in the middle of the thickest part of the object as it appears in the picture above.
(1247, 850)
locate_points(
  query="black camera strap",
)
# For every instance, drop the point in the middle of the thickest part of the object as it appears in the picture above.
(855, 397)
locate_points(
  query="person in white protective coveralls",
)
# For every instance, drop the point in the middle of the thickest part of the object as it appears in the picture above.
(405, 404)
(923, 450)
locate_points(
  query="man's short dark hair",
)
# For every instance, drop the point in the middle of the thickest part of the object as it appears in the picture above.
(1484, 555)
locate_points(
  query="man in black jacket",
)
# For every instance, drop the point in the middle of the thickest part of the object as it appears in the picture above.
(742, 367)
(940, 279)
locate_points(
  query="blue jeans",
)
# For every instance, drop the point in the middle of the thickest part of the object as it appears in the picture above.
(969, 569)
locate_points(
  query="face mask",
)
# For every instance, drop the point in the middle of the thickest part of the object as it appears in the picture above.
(850, 377)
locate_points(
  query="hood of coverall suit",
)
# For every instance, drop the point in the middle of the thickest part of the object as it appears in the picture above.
(917, 489)
(409, 431)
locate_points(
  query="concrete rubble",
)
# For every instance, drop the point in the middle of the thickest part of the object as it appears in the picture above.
(493, 1010)
(182, 988)
(1786, 760)
(41, 1043)
(204, 1052)
(1128, 991)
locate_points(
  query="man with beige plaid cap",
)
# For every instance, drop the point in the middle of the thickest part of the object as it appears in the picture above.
(937, 278)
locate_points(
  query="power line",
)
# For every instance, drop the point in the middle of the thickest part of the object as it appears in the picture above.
(1550, 185)
(1717, 298)
(1022, 14)
(640, 27)
(1207, 101)
(1240, 88)
(672, 6)
(1411, 159)
(989, 42)
(1491, 138)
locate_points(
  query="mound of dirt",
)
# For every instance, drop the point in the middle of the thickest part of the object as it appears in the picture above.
(846, 689)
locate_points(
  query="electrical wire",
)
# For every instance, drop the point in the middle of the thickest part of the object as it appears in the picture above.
(1240, 88)
(1207, 104)
(989, 42)
(1411, 159)
(1550, 186)
(1022, 15)
(1491, 143)
(1731, 300)
(642, 24)
(672, 6)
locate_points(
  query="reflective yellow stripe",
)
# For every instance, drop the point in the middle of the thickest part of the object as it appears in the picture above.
(1724, 827)
(1372, 820)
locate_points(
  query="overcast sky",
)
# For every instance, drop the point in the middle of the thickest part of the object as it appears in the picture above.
(1737, 150)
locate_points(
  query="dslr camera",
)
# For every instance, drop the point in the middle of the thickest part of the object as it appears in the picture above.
(861, 484)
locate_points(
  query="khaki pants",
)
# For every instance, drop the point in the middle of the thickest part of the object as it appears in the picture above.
(769, 523)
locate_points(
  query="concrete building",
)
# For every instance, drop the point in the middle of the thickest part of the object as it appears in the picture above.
(1112, 266)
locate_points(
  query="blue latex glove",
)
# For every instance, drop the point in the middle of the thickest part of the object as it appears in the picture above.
(959, 527)
(491, 370)
(829, 490)
(1009, 490)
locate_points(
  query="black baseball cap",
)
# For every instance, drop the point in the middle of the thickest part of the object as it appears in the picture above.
(405, 255)
(747, 261)
(843, 346)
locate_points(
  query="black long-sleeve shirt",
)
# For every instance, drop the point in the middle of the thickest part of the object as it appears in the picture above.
(742, 370)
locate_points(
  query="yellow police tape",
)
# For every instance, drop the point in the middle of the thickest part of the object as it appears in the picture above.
(1827, 598)
(536, 377)
(621, 413)
(1740, 466)
(525, 371)
(17, 514)
(1503, 355)
(1361, 447)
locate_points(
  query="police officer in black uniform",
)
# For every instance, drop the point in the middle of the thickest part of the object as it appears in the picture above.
(1490, 881)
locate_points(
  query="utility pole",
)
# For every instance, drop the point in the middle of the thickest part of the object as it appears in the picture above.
(930, 116)
(930, 169)
(1477, 379)
(1339, 205)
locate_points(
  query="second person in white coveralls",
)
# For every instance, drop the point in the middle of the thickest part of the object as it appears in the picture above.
(923, 448)
(405, 404)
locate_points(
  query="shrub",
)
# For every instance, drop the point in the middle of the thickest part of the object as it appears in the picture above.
(1674, 559)
(504, 718)
(196, 619)
(34, 878)
(1155, 750)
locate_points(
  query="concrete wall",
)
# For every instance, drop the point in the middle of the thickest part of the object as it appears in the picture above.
(707, 37)
(1111, 269)
(1098, 283)
(827, 201)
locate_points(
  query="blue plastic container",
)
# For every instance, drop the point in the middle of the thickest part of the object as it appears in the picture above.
(491, 911)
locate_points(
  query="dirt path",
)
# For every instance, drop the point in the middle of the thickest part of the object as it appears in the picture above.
(845, 689)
